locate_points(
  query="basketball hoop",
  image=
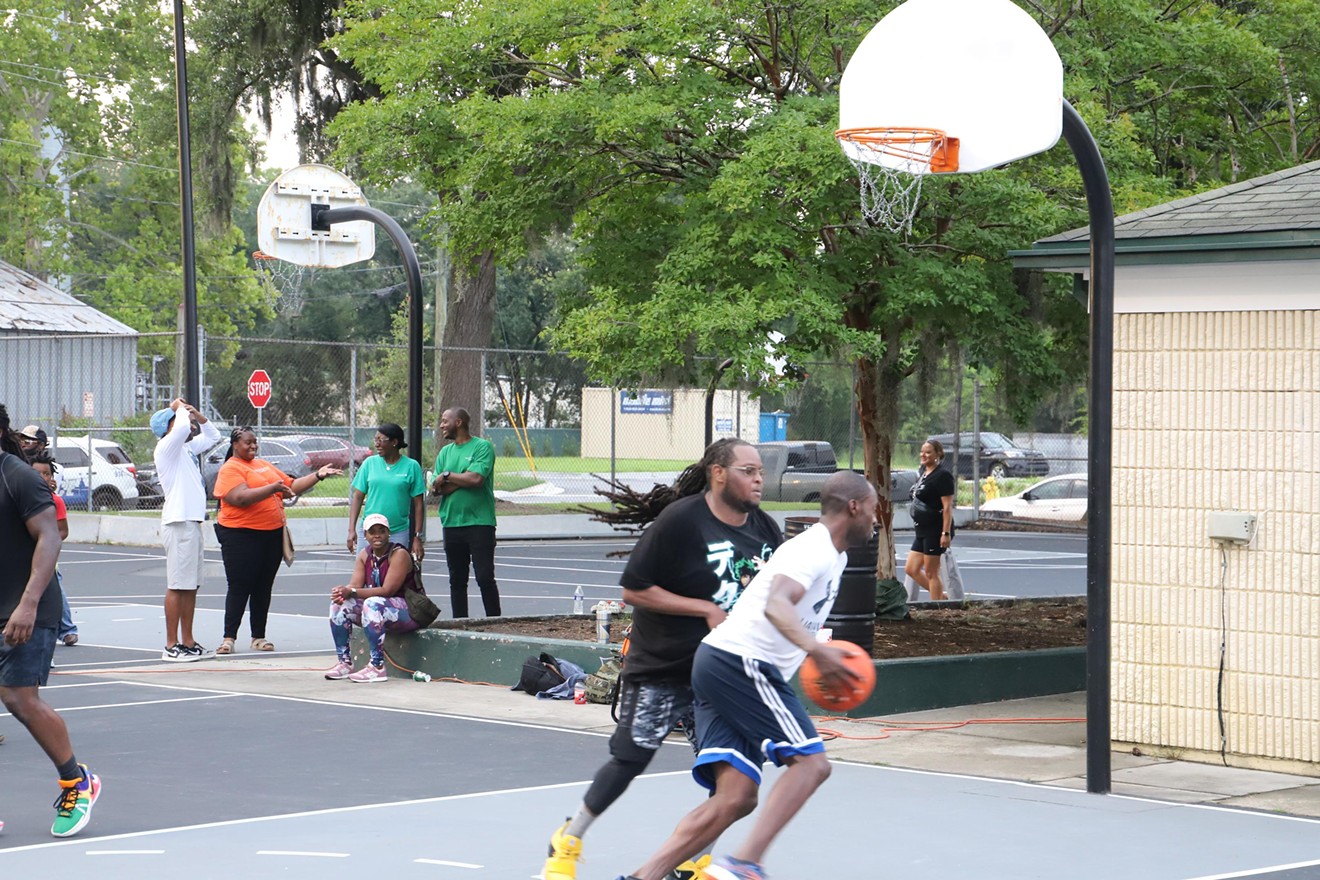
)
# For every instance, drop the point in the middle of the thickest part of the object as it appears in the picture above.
(891, 163)
(283, 282)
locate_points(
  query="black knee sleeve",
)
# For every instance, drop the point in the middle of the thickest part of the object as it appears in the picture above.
(612, 780)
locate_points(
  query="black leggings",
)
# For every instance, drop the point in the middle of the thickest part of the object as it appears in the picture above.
(251, 557)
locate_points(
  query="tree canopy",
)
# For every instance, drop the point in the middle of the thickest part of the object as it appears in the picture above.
(689, 148)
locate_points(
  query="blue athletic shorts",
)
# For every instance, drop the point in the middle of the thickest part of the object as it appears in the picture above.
(28, 664)
(746, 714)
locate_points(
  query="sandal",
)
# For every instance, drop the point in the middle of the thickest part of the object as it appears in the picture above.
(262, 645)
(226, 647)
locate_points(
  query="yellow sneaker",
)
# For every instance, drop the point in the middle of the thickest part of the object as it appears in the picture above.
(565, 850)
(692, 870)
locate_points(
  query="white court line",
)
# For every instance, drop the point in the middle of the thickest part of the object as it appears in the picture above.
(62, 711)
(447, 864)
(229, 823)
(291, 852)
(1255, 872)
(388, 709)
(124, 852)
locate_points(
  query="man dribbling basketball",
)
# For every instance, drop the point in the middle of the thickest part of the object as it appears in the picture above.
(746, 712)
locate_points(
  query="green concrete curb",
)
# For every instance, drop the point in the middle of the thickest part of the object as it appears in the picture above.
(903, 685)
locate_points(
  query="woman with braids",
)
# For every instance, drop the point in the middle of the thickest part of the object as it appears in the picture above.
(681, 579)
(250, 528)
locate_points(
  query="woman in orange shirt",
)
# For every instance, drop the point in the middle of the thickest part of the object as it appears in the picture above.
(250, 529)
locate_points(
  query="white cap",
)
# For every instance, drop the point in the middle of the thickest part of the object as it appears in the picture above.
(376, 519)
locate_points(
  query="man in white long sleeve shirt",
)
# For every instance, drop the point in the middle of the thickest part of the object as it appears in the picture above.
(181, 517)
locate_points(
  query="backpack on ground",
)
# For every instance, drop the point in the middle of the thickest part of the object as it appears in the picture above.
(539, 673)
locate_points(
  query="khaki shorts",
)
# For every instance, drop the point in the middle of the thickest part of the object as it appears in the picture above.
(183, 555)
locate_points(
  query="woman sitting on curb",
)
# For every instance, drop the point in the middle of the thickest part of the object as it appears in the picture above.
(373, 599)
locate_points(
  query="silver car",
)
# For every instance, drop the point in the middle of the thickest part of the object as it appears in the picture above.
(282, 452)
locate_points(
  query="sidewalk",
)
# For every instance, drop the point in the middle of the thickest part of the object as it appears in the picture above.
(1022, 746)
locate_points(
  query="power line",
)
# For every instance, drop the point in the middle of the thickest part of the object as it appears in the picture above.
(86, 25)
(65, 71)
(93, 156)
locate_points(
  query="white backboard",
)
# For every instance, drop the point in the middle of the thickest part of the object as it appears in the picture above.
(284, 219)
(981, 71)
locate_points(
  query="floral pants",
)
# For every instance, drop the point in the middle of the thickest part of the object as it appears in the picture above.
(377, 616)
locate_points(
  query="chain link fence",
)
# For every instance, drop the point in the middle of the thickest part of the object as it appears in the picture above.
(558, 436)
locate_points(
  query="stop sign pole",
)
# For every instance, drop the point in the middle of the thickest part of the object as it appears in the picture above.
(258, 392)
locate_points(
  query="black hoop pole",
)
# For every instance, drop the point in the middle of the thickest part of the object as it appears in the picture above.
(1100, 209)
(192, 365)
(413, 270)
(710, 400)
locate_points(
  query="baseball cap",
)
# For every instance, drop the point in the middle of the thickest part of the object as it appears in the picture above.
(375, 519)
(32, 432)
(160, 421)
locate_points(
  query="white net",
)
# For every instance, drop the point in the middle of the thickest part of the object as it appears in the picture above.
(283, 281)
(891, 165)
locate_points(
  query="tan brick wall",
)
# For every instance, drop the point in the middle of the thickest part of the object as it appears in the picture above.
(1217, 411)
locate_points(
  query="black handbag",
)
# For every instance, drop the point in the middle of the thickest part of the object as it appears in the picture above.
(919, 510)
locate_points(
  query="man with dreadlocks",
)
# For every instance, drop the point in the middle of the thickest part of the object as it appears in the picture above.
(681, 579)
(29, 614)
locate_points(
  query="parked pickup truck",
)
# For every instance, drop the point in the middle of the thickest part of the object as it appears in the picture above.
(795, 470)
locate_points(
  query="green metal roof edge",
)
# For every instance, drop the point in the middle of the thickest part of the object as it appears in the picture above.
(1235, 248)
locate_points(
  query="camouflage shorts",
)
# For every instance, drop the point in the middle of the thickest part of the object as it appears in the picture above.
(648, 711)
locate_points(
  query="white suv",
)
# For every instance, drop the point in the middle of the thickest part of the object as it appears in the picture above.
(85, 473)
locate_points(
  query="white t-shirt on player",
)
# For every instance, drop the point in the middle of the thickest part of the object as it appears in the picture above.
(810, 559)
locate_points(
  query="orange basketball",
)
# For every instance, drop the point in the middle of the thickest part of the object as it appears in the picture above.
(858, 661)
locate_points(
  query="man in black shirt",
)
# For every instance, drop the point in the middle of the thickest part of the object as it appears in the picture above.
(29, 615)
(682, 578)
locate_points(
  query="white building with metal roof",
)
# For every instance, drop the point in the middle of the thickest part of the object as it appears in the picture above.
(61, 356)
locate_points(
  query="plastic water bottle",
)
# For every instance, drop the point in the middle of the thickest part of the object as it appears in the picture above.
(578, 599)
(421, 676)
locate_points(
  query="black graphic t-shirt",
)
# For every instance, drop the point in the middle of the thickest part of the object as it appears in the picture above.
(932, 488)
(690, 552)
(23, 494)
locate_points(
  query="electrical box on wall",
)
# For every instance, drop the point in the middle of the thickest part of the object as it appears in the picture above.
(1233, 526)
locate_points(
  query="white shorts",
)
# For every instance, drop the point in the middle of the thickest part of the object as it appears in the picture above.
(183, 555)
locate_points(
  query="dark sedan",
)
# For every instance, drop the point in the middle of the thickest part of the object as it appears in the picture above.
(999, 456)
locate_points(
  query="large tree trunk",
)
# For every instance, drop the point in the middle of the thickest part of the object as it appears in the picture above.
(464, 321)
(877, 415)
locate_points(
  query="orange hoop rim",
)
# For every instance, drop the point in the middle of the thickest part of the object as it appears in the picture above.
(262, 255)
(927, 146)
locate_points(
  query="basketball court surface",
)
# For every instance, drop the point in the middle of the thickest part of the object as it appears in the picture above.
(254, 766)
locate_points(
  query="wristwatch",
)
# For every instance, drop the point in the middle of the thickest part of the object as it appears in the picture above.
(444, 478)
(943, 534)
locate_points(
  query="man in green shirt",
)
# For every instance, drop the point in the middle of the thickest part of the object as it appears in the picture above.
(464, 478)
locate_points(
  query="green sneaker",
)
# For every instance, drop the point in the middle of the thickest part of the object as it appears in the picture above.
(74, 805)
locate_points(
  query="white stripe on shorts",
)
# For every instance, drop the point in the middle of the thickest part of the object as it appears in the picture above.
(772, 701)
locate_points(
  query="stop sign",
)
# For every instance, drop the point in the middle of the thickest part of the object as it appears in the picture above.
(258, 389)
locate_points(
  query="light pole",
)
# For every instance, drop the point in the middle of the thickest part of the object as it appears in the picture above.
(155, 389)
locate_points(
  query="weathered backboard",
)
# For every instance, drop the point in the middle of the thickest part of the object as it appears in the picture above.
(980, 71)
(284, 219)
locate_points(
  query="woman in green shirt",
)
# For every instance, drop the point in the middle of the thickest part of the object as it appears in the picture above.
(391, 484)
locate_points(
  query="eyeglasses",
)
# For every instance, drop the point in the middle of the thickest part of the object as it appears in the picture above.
(749, 470)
